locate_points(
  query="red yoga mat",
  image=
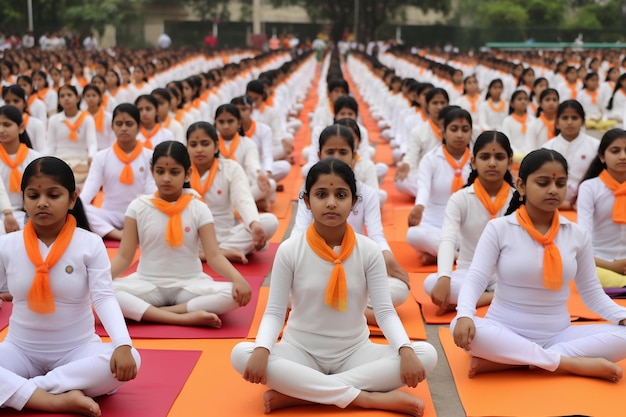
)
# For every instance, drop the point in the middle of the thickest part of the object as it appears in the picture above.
(162, 375)
(235, 324)
(5, 313)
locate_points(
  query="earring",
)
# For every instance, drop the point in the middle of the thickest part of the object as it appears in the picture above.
(521, 198)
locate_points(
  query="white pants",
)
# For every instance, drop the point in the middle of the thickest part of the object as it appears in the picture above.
(136, 295)
(456, 280)
(263, 195)
(496, 342)
(408, 185)
(240, 238)
(102, 222)
(424, 238)
(86, 368)
(280, 169)
(293, 371)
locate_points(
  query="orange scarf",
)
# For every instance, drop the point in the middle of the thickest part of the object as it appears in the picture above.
(472, 102)
(250, 132)
(457, 182)
(549, 126)
(493, 207)
(25, 119)
(619, 190)
(572, 89)
(229, 153)
(436, 130)
(552, 263)
(336, 290)
(126, 176)
(105, 101)
(41, 95)
(15, 178)
(174, 232)
(167, 122)
(179, 115)
(521, 120)
(593, 95)
(149, 136)
(498, 109)
(196, 180)
(73, 136)
(31, 99)
(98, 118)
(533, 108)
(40, 298)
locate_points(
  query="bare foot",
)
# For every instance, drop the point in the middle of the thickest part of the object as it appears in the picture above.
(202, 319)
(74, 402)
(445, 310)
(428, 259)
(274, 400)
(234, 255)
(591, 367)
(482, 366)
(398, 401)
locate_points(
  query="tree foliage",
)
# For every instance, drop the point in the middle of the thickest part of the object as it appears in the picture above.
(95, 15)
(371, 14)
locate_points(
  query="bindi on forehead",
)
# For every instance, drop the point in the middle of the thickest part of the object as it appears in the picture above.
(331, 184)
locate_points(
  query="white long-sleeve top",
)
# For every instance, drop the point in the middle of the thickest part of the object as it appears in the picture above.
(81, 277)
(37, 109)
(270, 117)
(36, 133)
(521, 300)
(434, 185)
(537, 134)
(490, 119)
(262, 138)
(299, 279)
(61, 146)
(594, 110)
(619, 105)
(579, 153)
(16, 199)
(230, 190)
(105, 173)
(420, 141)
(595, 209)
(163, 135)
(513, 130)
(464, 221)
(247, 155)
(364, 216)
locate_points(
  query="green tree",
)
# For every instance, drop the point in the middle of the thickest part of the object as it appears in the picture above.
(12, 13)
(86, 16)
(372, 14)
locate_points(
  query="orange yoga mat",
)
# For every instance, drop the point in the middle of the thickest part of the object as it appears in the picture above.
(282, 206)
(215, 388)
(408, 258)
(428, 308)
(409, 314)
(530, 393)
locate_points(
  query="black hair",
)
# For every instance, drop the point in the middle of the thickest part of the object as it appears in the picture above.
(209, 129)
(483, 140)
(469, 77)
(129, 109)
(346, 102)
(101, 78)
(15, 115)
(335, 83)
(18, 91)
(175, 150)
(228, 108)
(330, 166)
(351, 124)
(91, 87)
(119, 79)
(163, 93)
(588, 77)
(618, 85)
(195, 83)
(42, 75)
(515, 94)
(545, 94)
(256, 86)
(60, 172)
(242, 101)
(569, 104)
(175, 93)
(491, 84)
(535, 84)
(597, 166)
(533, 161)
(73, 90)
(452, 113)
(336, 130)
(152, 100)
